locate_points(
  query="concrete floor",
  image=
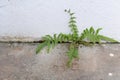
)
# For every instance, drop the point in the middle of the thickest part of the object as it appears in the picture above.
(18, 61)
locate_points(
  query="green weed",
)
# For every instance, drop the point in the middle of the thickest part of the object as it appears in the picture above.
(87, 37)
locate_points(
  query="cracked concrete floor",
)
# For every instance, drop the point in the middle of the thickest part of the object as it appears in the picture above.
(18, 61)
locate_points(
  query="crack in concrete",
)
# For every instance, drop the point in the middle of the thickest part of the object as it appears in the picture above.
(41, 41)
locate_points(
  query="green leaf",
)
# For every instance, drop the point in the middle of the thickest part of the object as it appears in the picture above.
(53, 43)
(60, 37)
(48, 46)
(55, 39)
(91, 30)
(91, 35)
(47, 37)
(72, 21)
(73, 18)
(107, 38)
(41, 46)
(75, 54)
(72, 53)
(98, 30)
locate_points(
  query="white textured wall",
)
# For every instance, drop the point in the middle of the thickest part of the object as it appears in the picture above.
(39, 17)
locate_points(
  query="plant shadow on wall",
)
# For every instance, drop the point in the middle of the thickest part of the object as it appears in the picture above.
(87, 37)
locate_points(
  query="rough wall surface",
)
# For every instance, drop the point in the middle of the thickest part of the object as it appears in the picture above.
(19, 62)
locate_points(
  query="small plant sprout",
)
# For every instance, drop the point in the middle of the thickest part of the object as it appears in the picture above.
(87, 37)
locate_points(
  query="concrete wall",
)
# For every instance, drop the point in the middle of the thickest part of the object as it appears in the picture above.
(19, 62)
(35, 18)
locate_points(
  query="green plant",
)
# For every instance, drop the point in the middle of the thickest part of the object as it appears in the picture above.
(88, 36)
